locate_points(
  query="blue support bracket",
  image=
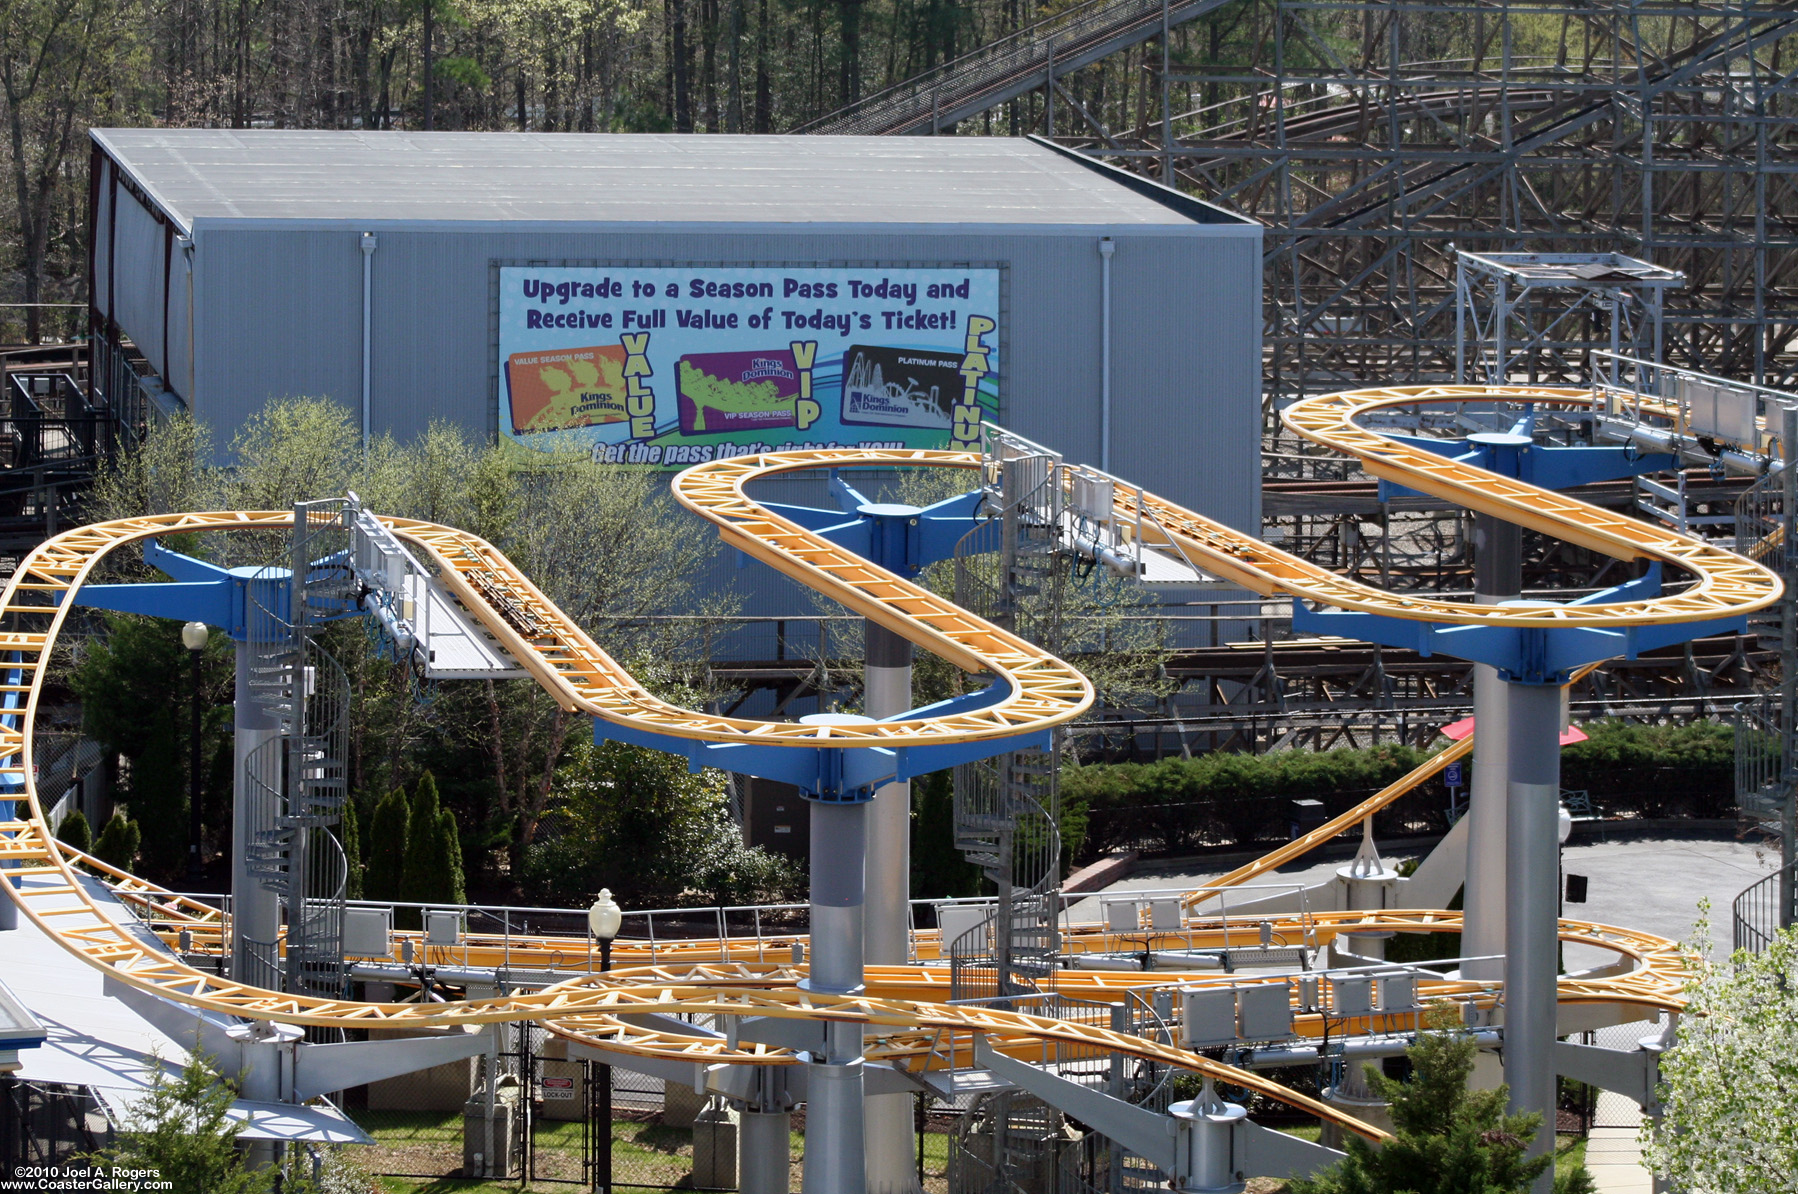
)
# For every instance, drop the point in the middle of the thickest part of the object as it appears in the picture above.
(837, 774)
(13, 704)
(1523, 655)
(200, 592)
(902, 539)
(1550, 466)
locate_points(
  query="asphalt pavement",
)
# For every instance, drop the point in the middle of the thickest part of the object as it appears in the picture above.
(1653, 882)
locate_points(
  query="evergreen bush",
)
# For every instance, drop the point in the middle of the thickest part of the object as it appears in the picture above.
(385, 863)
(1446, 1139)
(75, 831)
(119, 841)
(432, 871)
(1175, 806)
(349, 836)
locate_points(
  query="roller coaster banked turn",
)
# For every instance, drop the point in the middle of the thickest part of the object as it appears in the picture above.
(905, 1022)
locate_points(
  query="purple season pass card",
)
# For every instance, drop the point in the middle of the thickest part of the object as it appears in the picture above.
(737, 391)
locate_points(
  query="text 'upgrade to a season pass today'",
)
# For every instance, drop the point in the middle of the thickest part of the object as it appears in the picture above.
(673, 366)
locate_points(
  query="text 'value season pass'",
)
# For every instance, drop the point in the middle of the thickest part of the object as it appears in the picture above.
(677, 366)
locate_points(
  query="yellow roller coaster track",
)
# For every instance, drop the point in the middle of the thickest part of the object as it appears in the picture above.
(1043, 691)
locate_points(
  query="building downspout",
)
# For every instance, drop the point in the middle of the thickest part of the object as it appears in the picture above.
(186, 244)
(368, 323)
(1106, 248)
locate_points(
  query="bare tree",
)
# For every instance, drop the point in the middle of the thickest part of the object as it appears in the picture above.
(51, 56)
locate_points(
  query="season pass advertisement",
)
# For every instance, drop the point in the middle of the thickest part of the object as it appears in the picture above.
(677, 366)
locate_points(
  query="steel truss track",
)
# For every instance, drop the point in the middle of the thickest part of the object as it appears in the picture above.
(1042, 692)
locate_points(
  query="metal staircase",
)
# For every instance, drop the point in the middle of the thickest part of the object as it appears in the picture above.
(1010, 1142)
(1764, 745)
(298, 780)
(1766, 726)
(1009, 571)
(1004, 69)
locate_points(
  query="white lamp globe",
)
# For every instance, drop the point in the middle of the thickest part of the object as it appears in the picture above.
(1563, 823)
(605, 916)
(194, 636)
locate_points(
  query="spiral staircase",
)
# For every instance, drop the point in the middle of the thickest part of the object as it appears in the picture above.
(298, 780)
(1009, 571)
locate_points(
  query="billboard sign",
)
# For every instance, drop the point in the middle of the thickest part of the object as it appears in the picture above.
(672, 366)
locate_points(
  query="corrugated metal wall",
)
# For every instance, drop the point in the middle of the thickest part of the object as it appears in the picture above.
(139, 275)
(279, 313)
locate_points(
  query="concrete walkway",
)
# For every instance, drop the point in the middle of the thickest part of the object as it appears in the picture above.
(1613, 1153)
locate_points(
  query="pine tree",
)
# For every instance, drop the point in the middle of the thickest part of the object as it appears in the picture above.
(1447, 1139)
(181, 1131)
(452, 850)
(433, 870)
(76, 832)
(349, 834)
(118, 842)
(386, 861)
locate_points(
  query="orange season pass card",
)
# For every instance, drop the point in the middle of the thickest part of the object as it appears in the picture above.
(566, 387)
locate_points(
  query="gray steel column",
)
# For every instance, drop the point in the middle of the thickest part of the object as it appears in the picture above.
(834, 1135)
(255, 910)
(891, 1137)
(763, 1162)
(265, 1065)
(1533, 882)
(1497, 577)
(887, 692)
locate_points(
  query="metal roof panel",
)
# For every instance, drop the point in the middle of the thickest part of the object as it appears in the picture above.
(296, 174)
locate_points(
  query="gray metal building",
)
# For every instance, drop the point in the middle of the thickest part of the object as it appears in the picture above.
(233, 260)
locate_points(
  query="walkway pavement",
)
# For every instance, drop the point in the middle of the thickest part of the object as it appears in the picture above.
(1646, 883)
(1613, 1152)
(1641, 883)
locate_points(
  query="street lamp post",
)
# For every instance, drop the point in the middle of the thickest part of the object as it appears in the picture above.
(193, 637)
(605, 918)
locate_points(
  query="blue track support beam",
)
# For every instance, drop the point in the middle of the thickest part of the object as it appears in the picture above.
(1524, 655)
(200, 592)
(14, 705)
(814, 771)
(1550, 466)
(902, 539)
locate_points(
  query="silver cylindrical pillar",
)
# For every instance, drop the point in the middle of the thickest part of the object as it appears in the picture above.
(764, 1135)
(265, 1072)
(1205, 1159)
(1497, 577)
(888, 867)
(1532, 923)
(834, 1143)
(255, 910)
(890, 1135)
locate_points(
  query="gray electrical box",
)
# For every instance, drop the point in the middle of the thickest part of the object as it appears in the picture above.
(1351, 996)
(443, 928)
(1264, 1011)
(1398, 993)
(1210, 1015)
(365, 932)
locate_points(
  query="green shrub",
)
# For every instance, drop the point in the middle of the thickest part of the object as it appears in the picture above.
(1655, 771)
(75, 832)
(386, 859)
(119, 842)
(1175, 806)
